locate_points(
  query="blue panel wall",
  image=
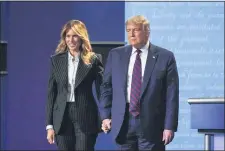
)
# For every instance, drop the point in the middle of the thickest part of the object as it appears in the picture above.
(34, 29)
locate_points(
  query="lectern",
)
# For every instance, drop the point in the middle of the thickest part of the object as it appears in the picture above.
(207, 116)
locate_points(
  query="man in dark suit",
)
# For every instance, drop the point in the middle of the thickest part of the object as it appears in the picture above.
(140, 92)
(72, 113)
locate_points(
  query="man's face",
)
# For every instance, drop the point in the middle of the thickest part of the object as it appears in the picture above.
(137, 35)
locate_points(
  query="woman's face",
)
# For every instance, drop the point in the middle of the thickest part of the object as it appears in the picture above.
(73, 42)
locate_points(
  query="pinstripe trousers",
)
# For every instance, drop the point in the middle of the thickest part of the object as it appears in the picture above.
(70, 136)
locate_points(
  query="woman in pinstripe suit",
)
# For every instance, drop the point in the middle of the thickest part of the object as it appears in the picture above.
(72, 113)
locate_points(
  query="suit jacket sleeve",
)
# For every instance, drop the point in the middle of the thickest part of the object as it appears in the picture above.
(106, 90)
(99, 74)
(52, 90)
(172, 95)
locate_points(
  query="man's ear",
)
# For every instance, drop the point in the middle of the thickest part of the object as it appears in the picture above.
(148, 34)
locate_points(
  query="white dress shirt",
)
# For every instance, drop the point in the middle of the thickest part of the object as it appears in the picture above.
(143, 56)
(72, 70)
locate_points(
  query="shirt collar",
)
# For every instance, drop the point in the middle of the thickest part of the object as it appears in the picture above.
(70, 57)
(143, 49)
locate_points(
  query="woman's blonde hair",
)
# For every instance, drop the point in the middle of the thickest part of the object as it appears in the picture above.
(80, 30)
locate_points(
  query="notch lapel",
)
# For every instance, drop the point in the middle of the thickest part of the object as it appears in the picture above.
(125, 62)
(150, 63)
(62, 68)
(82, 71)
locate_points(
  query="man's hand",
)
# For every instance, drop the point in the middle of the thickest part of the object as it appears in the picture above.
(50, 136)
(106, 125)
(168, 136)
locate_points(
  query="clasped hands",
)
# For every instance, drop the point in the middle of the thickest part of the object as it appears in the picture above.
(168, 135)
(106, 125)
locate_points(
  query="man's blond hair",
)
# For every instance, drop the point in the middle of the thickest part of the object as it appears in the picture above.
(139, 20)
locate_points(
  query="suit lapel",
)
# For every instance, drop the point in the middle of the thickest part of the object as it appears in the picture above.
(62, 66)
(125, 62)
(82, 71)
(150, 63)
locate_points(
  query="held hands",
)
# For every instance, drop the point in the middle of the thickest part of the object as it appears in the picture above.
(168, 136)
(51, 136)
(106, 125)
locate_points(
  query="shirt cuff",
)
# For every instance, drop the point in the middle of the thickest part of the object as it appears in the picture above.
(49, 127)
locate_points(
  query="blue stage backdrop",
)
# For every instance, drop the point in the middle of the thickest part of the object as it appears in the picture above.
(194, 31)
(34, 29)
